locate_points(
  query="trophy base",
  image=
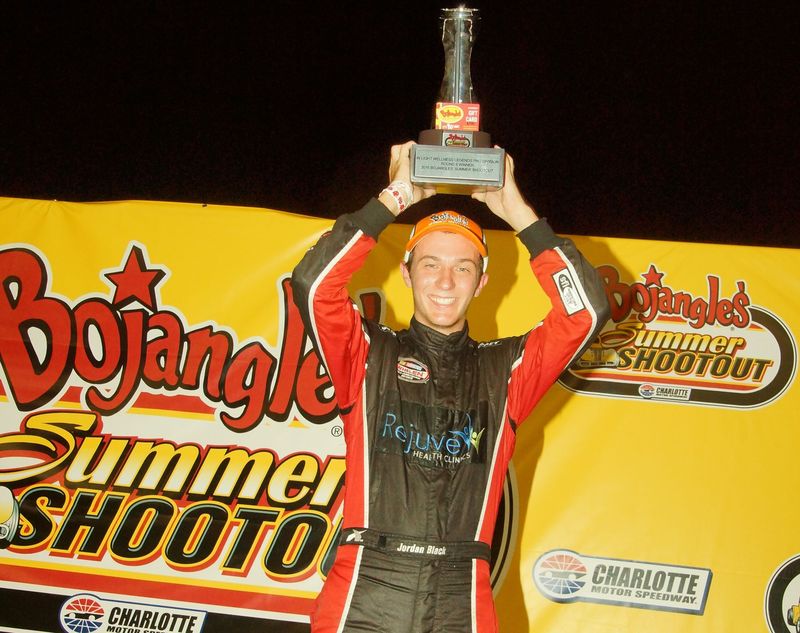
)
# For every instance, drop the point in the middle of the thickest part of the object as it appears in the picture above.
(457, 161)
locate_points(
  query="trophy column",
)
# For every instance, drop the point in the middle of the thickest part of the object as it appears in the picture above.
(456, 156)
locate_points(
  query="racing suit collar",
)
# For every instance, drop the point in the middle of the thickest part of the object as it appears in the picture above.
(434, 339)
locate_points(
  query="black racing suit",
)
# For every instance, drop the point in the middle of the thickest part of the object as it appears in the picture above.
(429, 423)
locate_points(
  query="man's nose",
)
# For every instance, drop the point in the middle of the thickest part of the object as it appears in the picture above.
(445, 279)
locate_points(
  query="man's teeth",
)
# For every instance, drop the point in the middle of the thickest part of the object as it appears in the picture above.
(443, 301)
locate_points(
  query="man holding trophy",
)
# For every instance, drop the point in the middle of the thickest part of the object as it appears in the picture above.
(429, 414)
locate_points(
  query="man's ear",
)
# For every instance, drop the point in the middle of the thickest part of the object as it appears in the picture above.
(406, 273)
(481, 283)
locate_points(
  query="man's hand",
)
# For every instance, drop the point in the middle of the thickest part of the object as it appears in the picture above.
(400, 170)
(507, 203)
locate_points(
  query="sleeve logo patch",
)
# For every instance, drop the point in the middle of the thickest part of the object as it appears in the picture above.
(568, 291)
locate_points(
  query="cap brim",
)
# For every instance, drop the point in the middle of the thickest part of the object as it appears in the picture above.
(448, 228)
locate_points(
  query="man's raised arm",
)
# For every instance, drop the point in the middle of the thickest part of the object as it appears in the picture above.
(319, 281)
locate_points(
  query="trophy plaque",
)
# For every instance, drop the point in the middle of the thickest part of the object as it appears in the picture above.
(456, 156)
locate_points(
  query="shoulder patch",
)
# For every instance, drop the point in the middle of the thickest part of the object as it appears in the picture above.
(494, 343)
(568, 291)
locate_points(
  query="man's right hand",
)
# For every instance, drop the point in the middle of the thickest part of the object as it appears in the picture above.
(400, 169)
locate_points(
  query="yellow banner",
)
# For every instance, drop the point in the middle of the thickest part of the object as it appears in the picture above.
(165, 427)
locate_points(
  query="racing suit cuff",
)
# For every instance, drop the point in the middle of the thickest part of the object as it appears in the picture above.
(538, 237)
(372, 218)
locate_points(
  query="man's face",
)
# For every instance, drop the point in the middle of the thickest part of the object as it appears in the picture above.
(444, 276)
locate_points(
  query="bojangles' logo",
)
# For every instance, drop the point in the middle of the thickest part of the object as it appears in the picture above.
(457, 140)
(668, 344)
(450, 113)
(96, 478)
(113, 351)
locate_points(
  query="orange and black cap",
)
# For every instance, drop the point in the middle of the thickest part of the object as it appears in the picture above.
(452, 222)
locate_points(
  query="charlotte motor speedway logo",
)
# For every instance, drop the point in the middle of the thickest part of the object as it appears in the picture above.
(566, 576)
(86, 613)
(665, 344)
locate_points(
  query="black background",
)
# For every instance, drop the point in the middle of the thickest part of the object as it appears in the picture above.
(658, 120)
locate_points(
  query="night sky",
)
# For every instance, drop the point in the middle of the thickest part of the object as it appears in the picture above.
(648, 119)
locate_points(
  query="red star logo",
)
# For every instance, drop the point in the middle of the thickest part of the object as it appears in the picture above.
(135, 282)
(652, 277)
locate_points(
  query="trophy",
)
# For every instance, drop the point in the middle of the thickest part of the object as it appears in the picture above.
(457, 156)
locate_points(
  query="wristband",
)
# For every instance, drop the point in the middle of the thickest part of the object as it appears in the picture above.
(402, 193)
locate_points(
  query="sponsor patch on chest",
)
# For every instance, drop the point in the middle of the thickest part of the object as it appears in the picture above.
(412, 370)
